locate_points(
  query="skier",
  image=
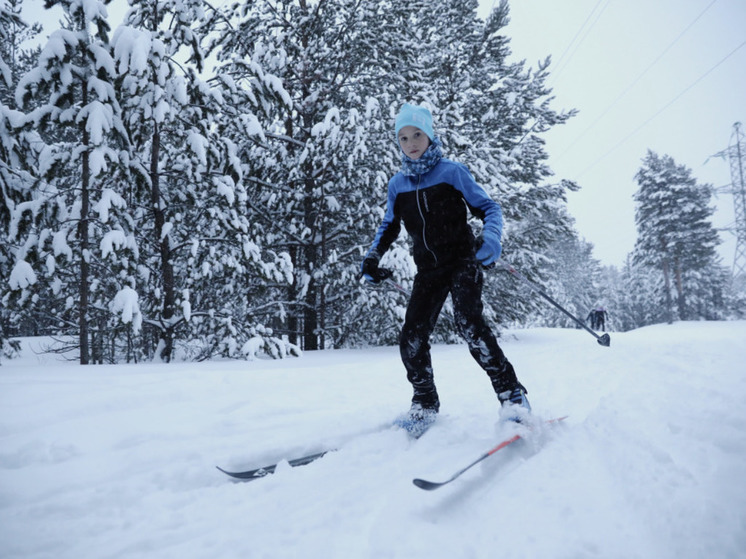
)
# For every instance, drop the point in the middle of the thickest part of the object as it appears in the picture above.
(597, 318)
(601, 316)
(431, 195)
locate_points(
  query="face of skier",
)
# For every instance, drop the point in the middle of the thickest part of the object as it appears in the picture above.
(413, 141)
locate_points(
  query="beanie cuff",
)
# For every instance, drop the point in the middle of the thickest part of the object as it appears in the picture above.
(419, 117)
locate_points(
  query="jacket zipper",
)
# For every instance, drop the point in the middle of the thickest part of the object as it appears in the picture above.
(422, 216)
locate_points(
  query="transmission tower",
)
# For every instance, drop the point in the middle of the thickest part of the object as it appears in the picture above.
(736, 155)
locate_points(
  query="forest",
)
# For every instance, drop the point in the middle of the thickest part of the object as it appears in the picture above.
(198, 181)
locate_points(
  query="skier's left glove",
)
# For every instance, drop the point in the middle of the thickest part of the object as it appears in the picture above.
(491, 248)
(371, 272)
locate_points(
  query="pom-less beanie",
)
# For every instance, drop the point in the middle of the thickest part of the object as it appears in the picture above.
(412, 115)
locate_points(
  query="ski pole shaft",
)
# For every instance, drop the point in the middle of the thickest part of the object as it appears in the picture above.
(397, 287)
(604, 340)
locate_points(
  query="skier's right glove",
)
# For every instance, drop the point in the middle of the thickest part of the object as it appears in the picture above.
(371, 272)
(490, 249)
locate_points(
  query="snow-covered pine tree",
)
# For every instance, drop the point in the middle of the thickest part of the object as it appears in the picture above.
(153, 95)
(707, 295)
(200, 250)
(574, 281)
(611, 289)
(508, 120)
(16, 156)
(632, 293)
(676, 237)
(77, 214)
(16, 56)
(319, 180)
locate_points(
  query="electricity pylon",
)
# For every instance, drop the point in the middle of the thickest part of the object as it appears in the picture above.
(736, 155)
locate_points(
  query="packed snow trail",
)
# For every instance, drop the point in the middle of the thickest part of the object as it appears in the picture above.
(119, 461)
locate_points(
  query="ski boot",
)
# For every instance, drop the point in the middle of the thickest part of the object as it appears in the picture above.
(515, 406)
(417, 420)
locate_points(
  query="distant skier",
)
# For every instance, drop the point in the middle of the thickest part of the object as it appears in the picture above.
(431, 194)
(601, 316)
(597, 318)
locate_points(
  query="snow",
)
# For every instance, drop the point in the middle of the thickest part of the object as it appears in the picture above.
(59, 242)
(109, 198)
(111, 241)
(22, 275)
(92, 9)
(118, 461)
(198, 144)
(5, 72)
(126, 302)
(131, 49)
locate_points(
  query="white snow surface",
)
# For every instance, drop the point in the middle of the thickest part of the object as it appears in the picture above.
(119, 461)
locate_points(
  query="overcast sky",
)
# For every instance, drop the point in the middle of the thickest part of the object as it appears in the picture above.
(665, 75)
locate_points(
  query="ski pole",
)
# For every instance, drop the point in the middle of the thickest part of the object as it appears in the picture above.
(604, 340)
(389, 281)
(397, 287)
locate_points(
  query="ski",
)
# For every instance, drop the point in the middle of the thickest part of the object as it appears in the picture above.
(432, 485)
(256, 473)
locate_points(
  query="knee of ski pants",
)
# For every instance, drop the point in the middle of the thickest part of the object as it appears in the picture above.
(413, 344)
(471, 325)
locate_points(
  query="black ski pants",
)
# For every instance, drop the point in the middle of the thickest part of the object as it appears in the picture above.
(431, 287)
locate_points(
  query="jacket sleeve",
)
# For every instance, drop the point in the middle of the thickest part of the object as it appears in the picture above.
(480, 203)
(390, 227)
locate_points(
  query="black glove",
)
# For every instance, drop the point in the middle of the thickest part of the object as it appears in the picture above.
(371, 272)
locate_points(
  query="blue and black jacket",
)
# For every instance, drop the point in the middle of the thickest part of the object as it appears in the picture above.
(433, 207)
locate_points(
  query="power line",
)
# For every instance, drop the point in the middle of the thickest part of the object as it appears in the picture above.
(559, 66)
(636, 80)
(659, 111)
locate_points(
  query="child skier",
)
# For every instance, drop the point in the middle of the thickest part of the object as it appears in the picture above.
(431, 195)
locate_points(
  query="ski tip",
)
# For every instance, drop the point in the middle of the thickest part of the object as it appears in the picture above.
(234, 475)
(247, 476)
(604, 340)
(426, 485)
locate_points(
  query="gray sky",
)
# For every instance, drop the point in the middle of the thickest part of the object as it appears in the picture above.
(644, 74)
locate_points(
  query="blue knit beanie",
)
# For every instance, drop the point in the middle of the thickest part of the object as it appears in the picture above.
(412, 115)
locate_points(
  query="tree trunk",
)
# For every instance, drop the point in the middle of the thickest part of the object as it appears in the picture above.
(680, 300)
(667, 281)
(310, 256)
(310, 309)
(165, 348)
(83, 232)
